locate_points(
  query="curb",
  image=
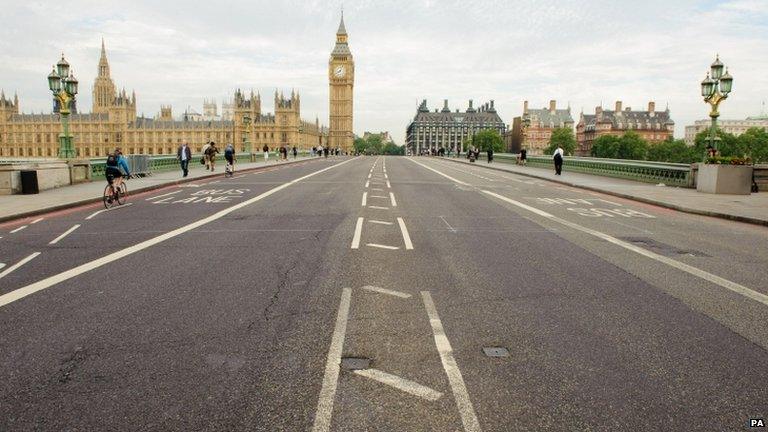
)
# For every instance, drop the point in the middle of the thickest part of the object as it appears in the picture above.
(147, 188)
(737, 218)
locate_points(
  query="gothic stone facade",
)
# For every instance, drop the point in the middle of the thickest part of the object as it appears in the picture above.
(653, 126)
(113, 123)
(448, 130)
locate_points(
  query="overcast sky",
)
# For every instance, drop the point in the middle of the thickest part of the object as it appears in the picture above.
(578, 51)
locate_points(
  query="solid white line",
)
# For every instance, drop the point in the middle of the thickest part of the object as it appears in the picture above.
(386, 291)
(379, 222)
(66, 233)
(438, 172)
(164, 195)
(36, 221)
(381, 246)
(392, 197)
(406, 236)
(18, 229)
(95, 213)
(401, 384)
(379, 208)
(331, 377)
(717, 280)
(358, 231)
(367, 183)
(389, 185)
(365, 198)
(8, 271)
(83, 268)
(460, 394)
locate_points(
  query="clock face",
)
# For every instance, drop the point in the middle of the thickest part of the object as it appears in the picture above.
(338, 72)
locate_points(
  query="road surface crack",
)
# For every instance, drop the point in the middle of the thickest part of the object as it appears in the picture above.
(282, 283)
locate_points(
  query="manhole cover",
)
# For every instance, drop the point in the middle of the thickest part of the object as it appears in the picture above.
(496, 352)
(355, 363)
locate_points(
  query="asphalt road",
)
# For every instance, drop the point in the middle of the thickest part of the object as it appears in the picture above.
(229, 304)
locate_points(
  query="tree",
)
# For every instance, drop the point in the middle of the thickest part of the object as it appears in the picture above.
(488, 139)
(375, 146)
(632, 146)
(754, 143)
(606, 146)
(676, 151)
(563, 138)
(393, 149)
(726, 146)
(360, 145)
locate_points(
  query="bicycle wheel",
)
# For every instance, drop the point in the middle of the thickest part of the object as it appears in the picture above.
(108, 199)
(122, 192)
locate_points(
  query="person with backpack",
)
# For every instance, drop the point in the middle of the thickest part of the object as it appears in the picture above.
(265, 149)
(115, 166)
(229, 156)
(210, 155)
(295, 152)
(557, 157)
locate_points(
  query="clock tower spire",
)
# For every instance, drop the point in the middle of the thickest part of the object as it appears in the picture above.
(341, 76)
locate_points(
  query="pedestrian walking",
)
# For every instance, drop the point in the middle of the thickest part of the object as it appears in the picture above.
(184, 155)
(557, 157)
(265, 149)
(210, 154)
(326, 151)
(523, 156)
(205, 155)
(490, 155)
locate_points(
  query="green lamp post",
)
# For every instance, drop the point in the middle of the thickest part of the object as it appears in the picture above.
(715, 89)
(63, 85)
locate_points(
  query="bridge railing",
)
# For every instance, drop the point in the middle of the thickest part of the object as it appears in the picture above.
(673, 174)
(155, 163)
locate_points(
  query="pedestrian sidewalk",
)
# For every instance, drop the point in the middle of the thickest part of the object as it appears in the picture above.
(744, 208)
(18, 206)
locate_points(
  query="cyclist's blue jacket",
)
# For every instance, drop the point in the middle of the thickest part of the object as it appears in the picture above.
(122, 162)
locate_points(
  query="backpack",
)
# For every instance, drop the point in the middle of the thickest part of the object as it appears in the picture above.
(112, 160)
(229, 152)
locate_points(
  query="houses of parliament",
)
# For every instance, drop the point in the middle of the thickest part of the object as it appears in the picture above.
(113, 121)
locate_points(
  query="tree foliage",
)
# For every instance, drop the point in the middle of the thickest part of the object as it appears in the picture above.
(375, 146)
(488, 139)
(676, 151)
(628, 146)
(563, 138)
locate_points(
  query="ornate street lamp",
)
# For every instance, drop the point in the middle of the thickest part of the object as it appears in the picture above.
(715, 89)
(63, 85)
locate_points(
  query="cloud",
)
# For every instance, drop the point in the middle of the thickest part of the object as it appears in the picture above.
(580, 52)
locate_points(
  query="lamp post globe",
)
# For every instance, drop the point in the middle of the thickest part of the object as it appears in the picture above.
(715, 89)
(63, 85)
(707, 86)
(54, 81)
(62, 67)
(717, 68)
(726, 83)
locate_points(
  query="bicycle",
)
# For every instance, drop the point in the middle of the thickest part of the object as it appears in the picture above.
(112, 195)
(229, 170)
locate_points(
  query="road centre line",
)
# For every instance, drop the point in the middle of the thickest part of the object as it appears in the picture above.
(19, 229)
(389, 185)
(379, 222)
(406, 236)
(331, 377)
(379, 196)
(163, 195)
(130, 250)
(8, 271)
(367, 183)
(381, 246)
(369, 175)
(399, 383)
(365, 198)
(378, 207)
(378, 189)
(66, 233)
(459, 389)
(717, 280)
(386, 291)
(392, 197)
(358, 231)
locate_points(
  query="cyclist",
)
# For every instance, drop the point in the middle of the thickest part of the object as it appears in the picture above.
(115, 162)
(229, 156)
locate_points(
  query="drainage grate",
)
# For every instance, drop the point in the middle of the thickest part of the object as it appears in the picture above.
(496, 352)
(662, 248)
(355, 363)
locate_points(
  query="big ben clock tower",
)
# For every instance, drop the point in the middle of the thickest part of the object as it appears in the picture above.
(341, 77)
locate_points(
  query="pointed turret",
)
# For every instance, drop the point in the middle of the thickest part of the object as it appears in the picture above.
(342, 29)
(104, 91)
